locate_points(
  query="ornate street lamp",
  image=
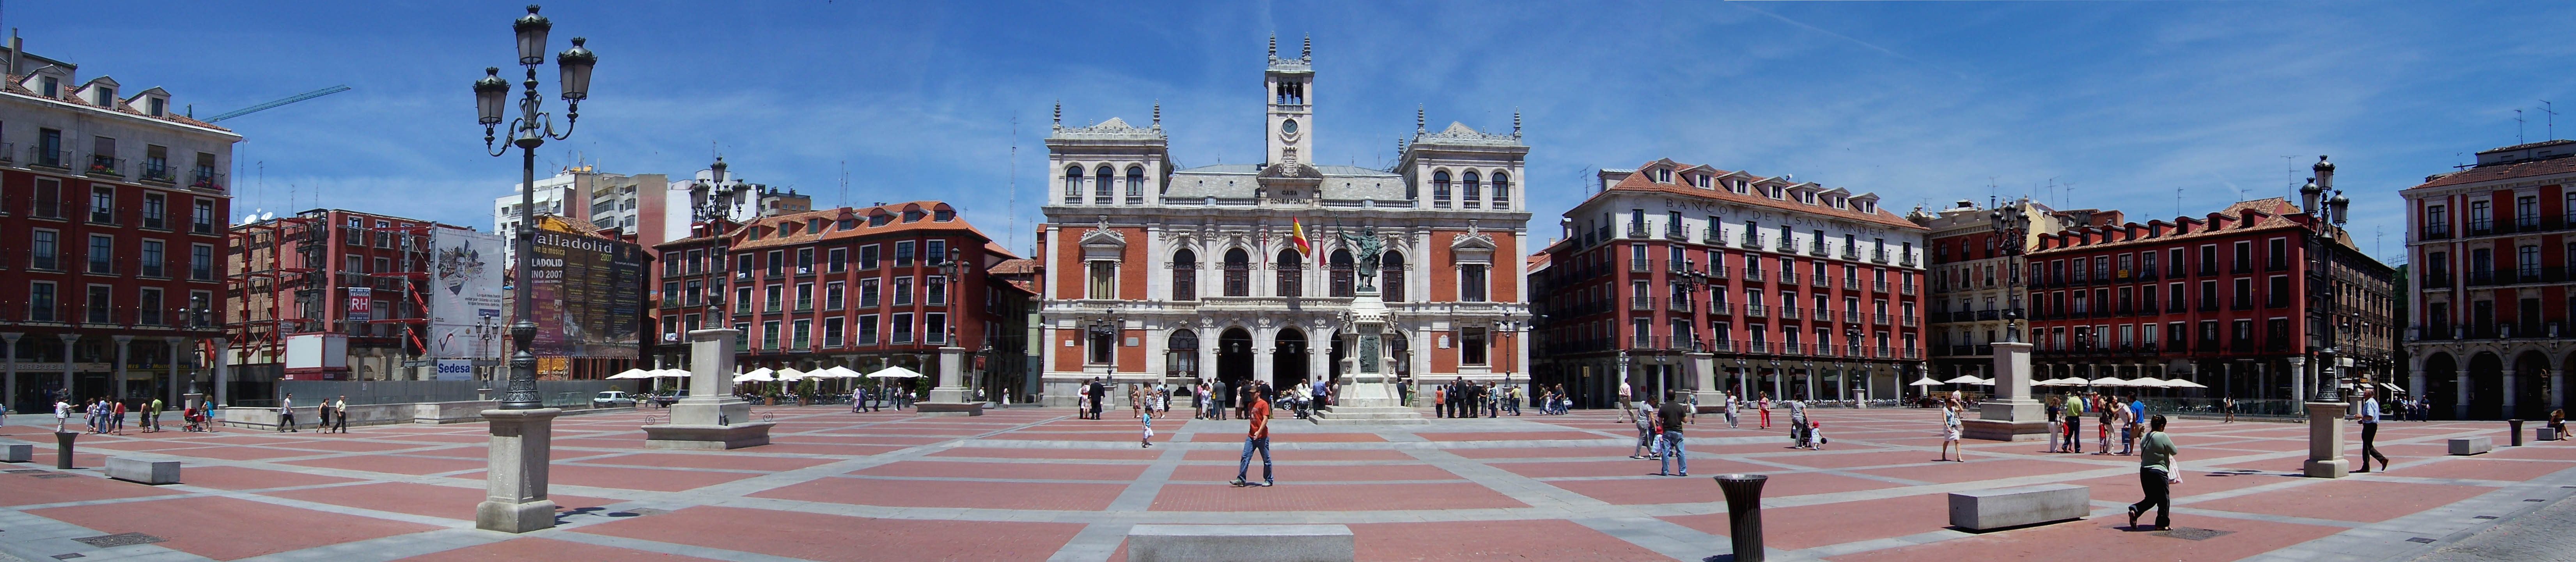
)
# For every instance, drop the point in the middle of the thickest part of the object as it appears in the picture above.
(2010, 229)
(528, 131)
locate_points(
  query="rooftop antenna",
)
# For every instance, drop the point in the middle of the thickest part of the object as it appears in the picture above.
(2517, 126)
(1014, 181)
(845, 183)
(2287, 184)
(2551, 119)
(2177, 200)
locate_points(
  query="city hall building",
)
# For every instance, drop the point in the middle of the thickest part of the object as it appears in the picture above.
(1155, 273)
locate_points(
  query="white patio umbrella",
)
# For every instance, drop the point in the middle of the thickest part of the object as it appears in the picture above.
(672, 373)
(1986, 382)
(1925, 381)
(756, 375)
(2179, 383)
(1963, 379)
(790, 373)
(894, 373)
(842, 372)
(2148, 382)
(633, 374)
(2110, 381)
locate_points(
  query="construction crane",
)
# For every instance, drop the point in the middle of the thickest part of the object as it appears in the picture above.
(272, 104)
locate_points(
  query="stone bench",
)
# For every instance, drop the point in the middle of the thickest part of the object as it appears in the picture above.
(143, 471)
(2010, 507)
(20, 453)
(2471, 445)
(2546, 434)
(1249, 543)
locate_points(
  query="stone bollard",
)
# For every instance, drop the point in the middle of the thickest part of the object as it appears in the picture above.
(1744, 513)
(2517, 432)
(63, 448)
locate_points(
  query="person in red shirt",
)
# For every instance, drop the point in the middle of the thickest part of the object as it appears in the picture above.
(1257, 438)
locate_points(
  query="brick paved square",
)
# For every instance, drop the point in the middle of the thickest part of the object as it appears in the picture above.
(736, 460)
(1040, 453)
(242, 478)
(534, 548)
(227, 528)
(394, 464)
(927, 493)
(2105, 540)
(2348, 500)
(833, 537)
(1320, 473)
(1987, 468)
(1809, 526)
(2483, 468)
(27, 489)
(652, 479)
(1294, 495)
(1476, 541)
(972, 469)
(1233, 454)
(452, 502)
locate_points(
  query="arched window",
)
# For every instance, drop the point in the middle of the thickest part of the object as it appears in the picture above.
(1473, 191)
(1390, 277)
(1184, 347)
(1440, 188)
(1185, 275)
(1238, 273)
(1135, 185)
(1073, 184)
(1502, 190)
(1103, 185)
(1291, 270)
(1342, 274)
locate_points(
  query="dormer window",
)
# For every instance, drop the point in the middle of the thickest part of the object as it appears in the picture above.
(879, 220)
(106, 97)
(943, 215)
(156, 107)
(50, 86)
(814, 225)
(1663, 175)
(912, 215)
(848, 223)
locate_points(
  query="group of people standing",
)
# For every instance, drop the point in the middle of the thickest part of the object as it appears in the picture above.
(2113, 414)
(1462, 399)
(333, 415)
(108, 416)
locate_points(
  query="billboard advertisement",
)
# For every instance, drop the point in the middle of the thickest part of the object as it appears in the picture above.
(465, 312)
(361, 304)
(455, 369)
(589, 292)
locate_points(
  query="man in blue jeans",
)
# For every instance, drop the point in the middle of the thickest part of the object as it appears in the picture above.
(1673, 413)
(1257, 438)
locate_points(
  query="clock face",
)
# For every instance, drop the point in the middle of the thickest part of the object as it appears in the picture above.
(1288, 126)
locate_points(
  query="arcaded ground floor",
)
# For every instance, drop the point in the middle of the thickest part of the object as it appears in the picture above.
(1036, 484)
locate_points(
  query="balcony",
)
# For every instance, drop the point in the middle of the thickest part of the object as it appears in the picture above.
(1752, 241)
(37, 156)
(1788, 313)
(1906, 289)
(1721, 309)
(2440, 231)
(1851, 283)
(1717, 271)
(1878, 286)
(1681, 267)
(2436, 280)
(1788, 277)
(1758, 346)
(1681, 305)
(1674, 232)
(1851, 316)
(1879, 319)
(104, 165)
(1883, 352)
(1640, 265)
(1910, 321)
(1755, 311)
(1637, 230)
(1989, 314)
(1820, 282)
(1711, 237)
(1793, 348)
(206, 178)
(1817, 250)
(1752, 274)
(1641, 303)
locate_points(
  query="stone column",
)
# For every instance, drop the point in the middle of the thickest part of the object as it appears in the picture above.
(223, 373)
(2460, 394)
(2012, 415)
(68, 340)
(1703, 373)
(124, 344)
(951, 397)
(1319, 359)
(2415, 381)
(1264, 357)
(2557, 389)
(514, 483)
(174, 343)
(9, 393)
(2512, 389)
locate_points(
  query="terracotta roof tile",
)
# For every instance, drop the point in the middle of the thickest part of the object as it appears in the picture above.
(1015, 266)
(2507, 171)
(1639, 181)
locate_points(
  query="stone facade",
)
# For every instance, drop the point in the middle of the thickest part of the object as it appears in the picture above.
(1155, 273)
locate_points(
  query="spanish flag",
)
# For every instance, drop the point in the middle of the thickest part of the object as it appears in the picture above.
(1304, 247)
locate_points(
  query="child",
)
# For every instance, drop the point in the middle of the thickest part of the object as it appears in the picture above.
(1816, 430)
(1146, 411)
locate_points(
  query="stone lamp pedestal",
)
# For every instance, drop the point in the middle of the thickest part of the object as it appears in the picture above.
(709, 418)
(2011, 414)
(951, 397)
(1371, 396)
(514, 483)
(2325, 441)
(1703, 369)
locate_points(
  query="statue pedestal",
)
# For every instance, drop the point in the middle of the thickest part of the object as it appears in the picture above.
(951, 397)
(2325, 441)
(1371, 397)
(2011, 415)
(709, 418)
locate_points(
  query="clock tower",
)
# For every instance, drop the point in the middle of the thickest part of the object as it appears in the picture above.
(1290, 126)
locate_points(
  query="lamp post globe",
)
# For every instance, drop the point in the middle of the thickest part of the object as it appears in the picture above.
(531, 30)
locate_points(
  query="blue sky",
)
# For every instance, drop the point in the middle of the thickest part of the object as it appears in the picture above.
(2133, 105)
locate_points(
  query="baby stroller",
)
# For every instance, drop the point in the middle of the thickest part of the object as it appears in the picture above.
(1800, 435)
(196, 420)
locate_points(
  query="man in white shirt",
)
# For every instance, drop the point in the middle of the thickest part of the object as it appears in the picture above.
(2369, 418)
(62, 414)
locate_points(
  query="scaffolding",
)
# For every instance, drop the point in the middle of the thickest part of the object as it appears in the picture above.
(286, 271)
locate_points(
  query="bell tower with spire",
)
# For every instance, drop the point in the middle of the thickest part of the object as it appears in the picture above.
(1290, 129)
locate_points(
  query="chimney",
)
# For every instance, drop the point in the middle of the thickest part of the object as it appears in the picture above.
(16, 46)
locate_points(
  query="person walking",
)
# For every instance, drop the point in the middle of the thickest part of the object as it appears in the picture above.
(340, 414)
(62, 414)
(2227, 406)
(1672, 414)
(2053, 425)
(2102, 435)
(1764, 405)
(2074, 423)
(2128, 427)
(1147, 414)
(1256, 438)
(1646, 434)
(2369, 418)
(1729, 399)
(2156, 475)
(1798, 423)
(286, 413)
(1950, 431)
(116, 424)
(1626, 395)
(152, 416)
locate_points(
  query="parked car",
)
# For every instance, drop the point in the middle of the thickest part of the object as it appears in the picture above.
(666, 399)
(611, 399)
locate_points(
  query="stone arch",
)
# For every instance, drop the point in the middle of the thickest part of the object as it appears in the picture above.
(2486, 386)
(2442, 389)
(2530, 385)
(1288, 356)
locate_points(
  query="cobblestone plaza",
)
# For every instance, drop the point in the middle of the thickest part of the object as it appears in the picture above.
(1036, 484)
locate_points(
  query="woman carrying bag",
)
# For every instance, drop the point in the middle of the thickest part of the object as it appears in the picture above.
(2156, 474)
